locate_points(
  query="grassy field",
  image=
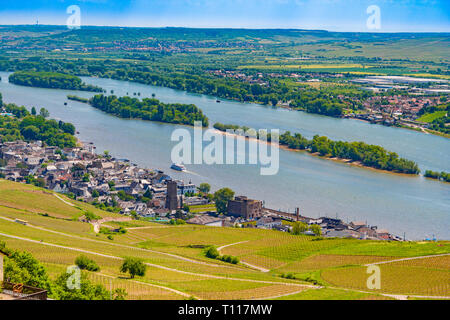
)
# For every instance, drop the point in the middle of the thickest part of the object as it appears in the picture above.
(38, 200)
(179, 269)
(202, 208)
(430, 117)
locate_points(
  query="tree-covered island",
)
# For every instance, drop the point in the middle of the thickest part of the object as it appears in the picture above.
(149, 109)
(51, 80)
(372, 156)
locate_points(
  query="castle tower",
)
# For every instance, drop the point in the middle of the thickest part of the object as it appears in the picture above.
(172, 196)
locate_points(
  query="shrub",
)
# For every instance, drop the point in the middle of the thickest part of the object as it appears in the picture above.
(85, 263)
(90, 216)
(230, 259)
(212, 253)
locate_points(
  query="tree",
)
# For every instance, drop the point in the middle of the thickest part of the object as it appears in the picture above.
(299, 228)
(90, 216)
(44, 113)
(30, 133)
(33, 111)
(40, 182)
(22, 267)
(316, 229)
(204, 188)
(133, 266)
(134, 215)
(119, 294)
(86, 291)
(95, 193)
(221, 198)
(84, 263)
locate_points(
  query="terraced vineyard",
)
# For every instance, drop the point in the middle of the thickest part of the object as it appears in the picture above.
(298, 267)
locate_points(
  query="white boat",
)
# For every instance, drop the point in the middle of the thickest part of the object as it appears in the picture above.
(178, 167)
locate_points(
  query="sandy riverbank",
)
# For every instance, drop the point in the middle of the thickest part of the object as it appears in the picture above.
(316, 154)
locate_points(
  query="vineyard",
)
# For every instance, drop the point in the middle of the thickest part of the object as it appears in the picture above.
(299, 267)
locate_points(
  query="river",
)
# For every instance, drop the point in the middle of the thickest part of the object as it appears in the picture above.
(414, 205)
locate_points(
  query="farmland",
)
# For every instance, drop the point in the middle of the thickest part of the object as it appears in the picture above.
(178, 268)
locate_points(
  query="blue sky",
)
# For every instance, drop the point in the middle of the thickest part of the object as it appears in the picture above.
(336, 15)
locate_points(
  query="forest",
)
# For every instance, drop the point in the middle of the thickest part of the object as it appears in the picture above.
(149, 109)
(323, 101)
(29, 127)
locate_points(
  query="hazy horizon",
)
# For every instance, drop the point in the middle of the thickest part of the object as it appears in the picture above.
(332, 15)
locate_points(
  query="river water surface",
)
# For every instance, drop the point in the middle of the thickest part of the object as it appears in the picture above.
(414, 205)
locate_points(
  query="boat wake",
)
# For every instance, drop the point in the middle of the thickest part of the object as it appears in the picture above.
(191, 172)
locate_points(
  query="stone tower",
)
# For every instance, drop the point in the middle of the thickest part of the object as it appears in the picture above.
(172, 196)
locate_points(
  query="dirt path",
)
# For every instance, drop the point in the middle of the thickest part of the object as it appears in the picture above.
(287, 294)
(97, 224)
(392, 295)
(151, 227)
(242, 262)
(406, 259)
(93, 253)
(157, 266)
(395, 296)
(66, 202)
(184, 294)
(125, 246)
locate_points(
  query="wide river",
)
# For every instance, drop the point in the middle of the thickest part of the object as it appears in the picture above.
(414, 205)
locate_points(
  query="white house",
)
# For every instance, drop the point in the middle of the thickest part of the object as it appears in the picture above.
(206, 221)
(268, 222)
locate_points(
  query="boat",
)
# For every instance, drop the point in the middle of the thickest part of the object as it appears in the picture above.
(218, 101)
(178, 167)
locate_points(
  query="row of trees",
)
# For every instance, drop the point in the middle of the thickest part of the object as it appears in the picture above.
(149, 109)
(304, 98)
(299, 228)
(443, 176)
(28, 127)
(212, 253)
(369, 155)
(52, 80)
(441, 125)
(325, 100)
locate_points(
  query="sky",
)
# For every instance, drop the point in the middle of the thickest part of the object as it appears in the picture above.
(333, 15)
